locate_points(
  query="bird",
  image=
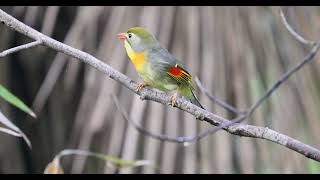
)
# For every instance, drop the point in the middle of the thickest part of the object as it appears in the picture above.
(156, 66)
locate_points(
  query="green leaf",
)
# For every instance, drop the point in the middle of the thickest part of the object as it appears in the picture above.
(12, 99)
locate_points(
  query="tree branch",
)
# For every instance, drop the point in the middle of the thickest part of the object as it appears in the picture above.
(248, 112)
(214, 99)
(160, 137)
(293, 32)
(186, 140)
(19, 48)
(240, 130)
(149, 94)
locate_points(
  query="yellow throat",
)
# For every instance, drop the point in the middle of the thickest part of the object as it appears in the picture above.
(137, 59)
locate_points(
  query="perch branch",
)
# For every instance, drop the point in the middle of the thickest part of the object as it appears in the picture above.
(240, 130)
(149, 94)
(161, 137)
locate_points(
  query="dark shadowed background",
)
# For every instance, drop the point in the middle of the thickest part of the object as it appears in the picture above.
(237, 53)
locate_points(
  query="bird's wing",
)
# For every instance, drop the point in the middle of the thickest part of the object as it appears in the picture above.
(168, 64)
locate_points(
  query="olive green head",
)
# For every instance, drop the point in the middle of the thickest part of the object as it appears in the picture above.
(139, 39)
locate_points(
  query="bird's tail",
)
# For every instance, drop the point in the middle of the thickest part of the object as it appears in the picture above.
(188, 93)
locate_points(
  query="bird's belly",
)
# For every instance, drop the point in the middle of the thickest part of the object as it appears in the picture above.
(158, 80)
(170, 87)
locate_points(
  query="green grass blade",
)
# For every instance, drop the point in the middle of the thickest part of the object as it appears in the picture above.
(12, 99)
(111, 159)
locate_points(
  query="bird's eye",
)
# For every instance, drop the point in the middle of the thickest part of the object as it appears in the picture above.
(129, 35)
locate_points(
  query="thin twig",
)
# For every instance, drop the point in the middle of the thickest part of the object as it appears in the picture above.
(56, 68)
(286, 76)
(19, 48)
(246, 130)
(161, 137)
(293, 32)
(249, 111)
(218, 101)
(281, 80)
(161, 97)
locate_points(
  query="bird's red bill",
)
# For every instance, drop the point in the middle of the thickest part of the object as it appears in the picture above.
(122, 36)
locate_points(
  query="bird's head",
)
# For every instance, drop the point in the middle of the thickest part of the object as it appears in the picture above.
(139, 39)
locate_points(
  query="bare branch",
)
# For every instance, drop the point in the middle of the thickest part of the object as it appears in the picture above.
(59, 61)
(241, 130)
(249, 111)
(149, 94)
(186, 140)
(293, 32)
(275, 86)
(160, 137)
(19, 48)
(216, 100)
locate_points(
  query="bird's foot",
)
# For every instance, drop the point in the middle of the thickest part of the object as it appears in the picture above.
(173, 100)
(140, 87)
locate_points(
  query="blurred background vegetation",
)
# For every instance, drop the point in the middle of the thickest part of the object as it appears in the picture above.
(237, 52)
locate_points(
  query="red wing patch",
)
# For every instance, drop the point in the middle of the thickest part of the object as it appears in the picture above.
(175, 71)
(179, 74)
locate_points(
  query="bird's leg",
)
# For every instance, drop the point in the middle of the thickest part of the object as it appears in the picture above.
(173, 99)
(141, 86)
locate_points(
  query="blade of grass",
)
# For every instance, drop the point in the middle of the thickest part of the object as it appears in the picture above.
(54, 166)
(114, 160)
(12, 99)
(14, 129)
(9, 131)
